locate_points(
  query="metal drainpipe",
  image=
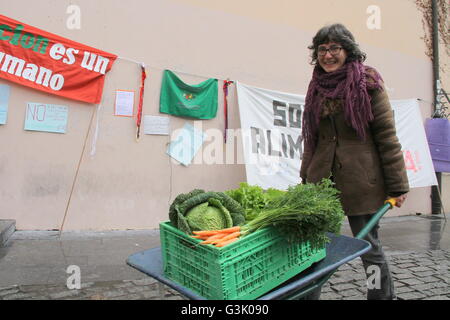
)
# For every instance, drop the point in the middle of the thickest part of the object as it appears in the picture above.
(435, 198)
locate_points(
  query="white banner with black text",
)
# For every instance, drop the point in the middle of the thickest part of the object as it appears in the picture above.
(272, 142)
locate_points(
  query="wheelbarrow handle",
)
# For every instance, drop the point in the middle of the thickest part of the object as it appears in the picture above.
(388, 204)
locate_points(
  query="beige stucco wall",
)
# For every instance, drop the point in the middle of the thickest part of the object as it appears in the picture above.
(46, 178)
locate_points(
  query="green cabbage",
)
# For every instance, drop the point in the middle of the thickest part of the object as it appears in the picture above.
(231, 210)
(211, 215)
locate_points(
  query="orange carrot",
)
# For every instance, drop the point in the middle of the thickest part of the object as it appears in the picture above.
(224, 240)
(232, 229)
(206, 232)
(214, 232)
(231, 236)
(224, 243)
(200, 237)
(217, 236)
(214, 238)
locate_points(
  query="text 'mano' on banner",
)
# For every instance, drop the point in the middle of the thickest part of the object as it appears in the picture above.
(47, 62)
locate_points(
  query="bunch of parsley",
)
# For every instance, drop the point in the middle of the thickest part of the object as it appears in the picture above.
(304, 213)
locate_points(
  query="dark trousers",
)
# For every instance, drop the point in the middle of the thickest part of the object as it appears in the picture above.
(380, 285)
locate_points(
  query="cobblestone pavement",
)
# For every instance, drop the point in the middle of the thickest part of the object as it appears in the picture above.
(141, 289)
(417, 276)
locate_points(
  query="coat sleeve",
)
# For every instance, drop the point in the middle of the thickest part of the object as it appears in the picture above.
(306, 159)
(388, 146)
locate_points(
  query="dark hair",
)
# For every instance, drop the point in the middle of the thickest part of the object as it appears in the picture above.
(340, 34)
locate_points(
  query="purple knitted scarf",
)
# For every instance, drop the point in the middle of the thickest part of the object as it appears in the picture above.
(350, 83)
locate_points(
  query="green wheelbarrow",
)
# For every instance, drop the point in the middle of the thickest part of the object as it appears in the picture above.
(340, 250)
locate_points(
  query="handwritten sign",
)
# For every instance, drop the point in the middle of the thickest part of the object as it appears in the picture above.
(156, 125)
(4, 99)
(124, 103)
(46, 117)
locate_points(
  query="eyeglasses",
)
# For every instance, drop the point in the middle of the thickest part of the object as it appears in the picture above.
(334, 50)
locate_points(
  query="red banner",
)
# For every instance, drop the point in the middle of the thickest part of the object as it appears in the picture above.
(47, 62)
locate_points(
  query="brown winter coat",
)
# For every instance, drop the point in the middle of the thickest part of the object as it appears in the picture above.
(365, 172)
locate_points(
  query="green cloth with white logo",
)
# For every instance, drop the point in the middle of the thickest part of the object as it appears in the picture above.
(195, 101)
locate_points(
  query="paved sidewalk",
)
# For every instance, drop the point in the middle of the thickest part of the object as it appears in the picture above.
(417, 276)
(33, 265)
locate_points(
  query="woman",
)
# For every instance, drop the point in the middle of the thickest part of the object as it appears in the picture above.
(349, 135)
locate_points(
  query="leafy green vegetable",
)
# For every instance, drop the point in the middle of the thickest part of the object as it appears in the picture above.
(250, 197)
(211, 215)
(272, 193)
(228, 221)
(232, 211)
(232, 205)
(197, 199)
(253, 198)
(173, 216)
(182, 223)
(238, 219)
(304, 212)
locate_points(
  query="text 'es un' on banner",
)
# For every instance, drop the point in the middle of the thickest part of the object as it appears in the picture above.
(50, 63)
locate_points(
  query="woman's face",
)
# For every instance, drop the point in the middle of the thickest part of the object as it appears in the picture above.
(331, 56)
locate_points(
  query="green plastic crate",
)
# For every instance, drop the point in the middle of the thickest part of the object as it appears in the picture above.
(245, 269)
